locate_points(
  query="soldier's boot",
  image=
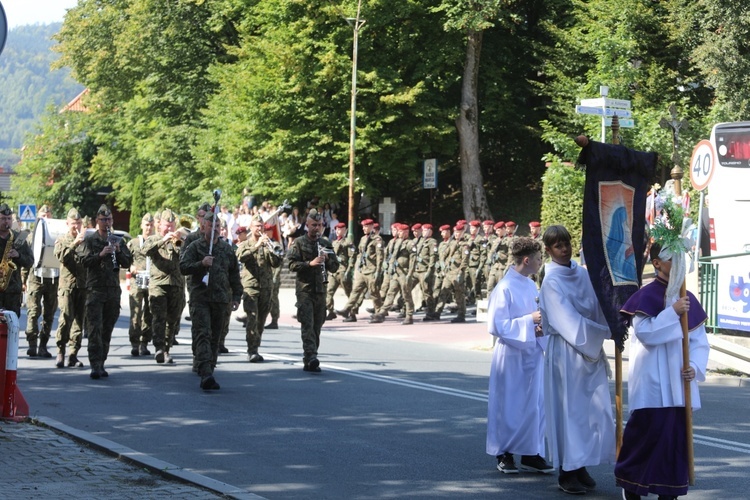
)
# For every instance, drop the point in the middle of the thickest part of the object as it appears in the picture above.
(134, 351)
(431, 317)
(31, 351)
(344, 313)
(408, 320)
(143, 349)
(350, 319)
(401, 315)
(458, 319)
(377, 318)
(43, 352)
(60, 360)
(331, 315)
(73, 362)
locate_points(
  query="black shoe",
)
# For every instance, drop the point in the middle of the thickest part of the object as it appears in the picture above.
(370, 310)
(350, 319)
(43, 352)
(103, 373)
(255, 358)
(73, 362)
(585, 479)
(60, 360)
(134, 351)
(272, 326)
(535, 463)
(94, 374)
(174, 342)
(626, 495)
(506, 464)
(342, 312)
(377, 318)
(188, 318)
(143, 350)
(31, 351)
(458, 319)
(569, 483)
(209, 383)
(331, 315)
(159, 356)
(312, 366)
(223, 350)
(408, 321)
(431, 317)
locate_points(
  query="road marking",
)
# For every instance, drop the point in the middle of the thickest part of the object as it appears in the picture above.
(477, 396)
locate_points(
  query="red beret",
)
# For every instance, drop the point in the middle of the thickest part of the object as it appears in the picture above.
(426, 226)
(445, 227)
(534, 224)
(488, 223)
(416, 226)
(366, 222)
(376, 225)
(340, 225)
(475, 223)
(459, 227)
(460, 222)
(499, 225)
(404, 227)
(241, 230)
(269, 227)
(510, 223)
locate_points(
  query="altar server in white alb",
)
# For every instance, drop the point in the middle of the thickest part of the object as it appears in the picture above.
(515, 412)
(580, 428)
(654, 457)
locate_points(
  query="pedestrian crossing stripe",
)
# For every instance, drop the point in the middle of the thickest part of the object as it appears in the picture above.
(28, 213)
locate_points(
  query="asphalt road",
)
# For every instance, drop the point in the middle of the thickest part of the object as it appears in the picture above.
(398, 412)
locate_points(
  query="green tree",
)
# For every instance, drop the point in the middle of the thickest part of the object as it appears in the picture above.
(137, 206)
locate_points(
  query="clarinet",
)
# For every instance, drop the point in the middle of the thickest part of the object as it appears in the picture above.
(110, 241)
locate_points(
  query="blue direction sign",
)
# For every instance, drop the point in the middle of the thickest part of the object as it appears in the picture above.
(27, 213)
(590, 110)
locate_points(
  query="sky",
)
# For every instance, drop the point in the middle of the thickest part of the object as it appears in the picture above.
(20, 12)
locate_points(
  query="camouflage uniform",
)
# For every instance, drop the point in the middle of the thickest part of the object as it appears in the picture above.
(367, 271)
(497, 257)
(425, 271)
(474, 270)
(457, 262)
(140, 332)
(71, 296)
(311, 291)
(402, 274)
(258, 264)
(346, 254)
(12, 296)
(41, 300)
(275, 311)
(209, 304)
(102, 294)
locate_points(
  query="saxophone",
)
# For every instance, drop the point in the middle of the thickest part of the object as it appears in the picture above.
(7, 266)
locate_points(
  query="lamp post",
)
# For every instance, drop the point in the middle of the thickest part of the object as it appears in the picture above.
(356, 24)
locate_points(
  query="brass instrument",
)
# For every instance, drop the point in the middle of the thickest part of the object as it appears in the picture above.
(322, 252)
(112, 240)
(179, 238)
(7, 266)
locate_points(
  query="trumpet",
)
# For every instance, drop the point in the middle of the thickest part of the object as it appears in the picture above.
(179, 235)
(113, 240)
(322, 252)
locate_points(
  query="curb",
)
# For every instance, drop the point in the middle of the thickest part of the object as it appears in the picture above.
(139, 459)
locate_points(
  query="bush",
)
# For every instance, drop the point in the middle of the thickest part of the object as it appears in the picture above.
(562, 199)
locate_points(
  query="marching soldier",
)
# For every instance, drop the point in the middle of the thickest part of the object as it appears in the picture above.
(15, 254)
(41, 298)
(103, 256)
(404, 259)
(166, 286)
(497, 257)
(311, 258)
(473, 275)
(388, 265)
(510, 237)
(440, 267)
(457, 262)
(140, 312)
(345, 252)
(71, 292)
(367, 272)
(426, 267)
(259, 258)
(214, 283)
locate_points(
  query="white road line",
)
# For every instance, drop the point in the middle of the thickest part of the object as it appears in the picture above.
(476, 396)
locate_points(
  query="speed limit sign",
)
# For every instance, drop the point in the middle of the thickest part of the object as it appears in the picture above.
(702, 165)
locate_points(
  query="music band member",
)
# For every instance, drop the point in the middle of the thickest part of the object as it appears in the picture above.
(140, 312)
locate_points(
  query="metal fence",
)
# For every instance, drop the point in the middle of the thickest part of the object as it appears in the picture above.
(708, 278)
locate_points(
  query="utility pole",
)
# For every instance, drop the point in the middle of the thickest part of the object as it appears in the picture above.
(356, 25)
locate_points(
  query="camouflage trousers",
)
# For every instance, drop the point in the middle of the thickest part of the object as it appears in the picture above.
(166, 303)
(41, 300)
(335, 281)
(72, 304)
(102, 312)
(275, 294)
(257, 304)
(364, 283)
(426, 283)
(208, 321)
(311, 313)
(453, 283)
(400, 284)
(139, 331)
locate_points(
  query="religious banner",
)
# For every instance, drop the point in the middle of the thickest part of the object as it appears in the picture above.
(614, 224)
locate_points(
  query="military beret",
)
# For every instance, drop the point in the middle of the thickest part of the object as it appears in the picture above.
(416, 226)
(510, 224)
(475, 223)
(445, 227)
(209, 217)
(241, 230)
(405, 227)
(459, 227)
(5, 209)
(314, 215)
(499, 225)
(269, 227)
(534, 224)
(426, 226)
(460, 221)
(340, 225)
(147, 218)
(168, 215)
(367, 222)
(376, 226)
(73, 214)
(103, 211)
(44, 209)
(488, 223)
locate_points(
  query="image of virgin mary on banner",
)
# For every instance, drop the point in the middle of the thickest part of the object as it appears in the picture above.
(614, 224)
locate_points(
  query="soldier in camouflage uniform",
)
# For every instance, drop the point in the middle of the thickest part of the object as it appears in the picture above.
(367, 272)
(457, 262)
(103, 257)
(166, 286)
(311, 258)
(140, 312)
(346, 254)
(259, 255)
(510, 237)
(41, 297)
(214, 283)
(497, 256)
(388, 285)
(21, 256)
(404, 260)
(474, 272)
(425, 268)
(279, 249)
(440, 267)
(71, 292)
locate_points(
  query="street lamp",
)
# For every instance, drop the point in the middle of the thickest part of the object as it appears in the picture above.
(356, 24)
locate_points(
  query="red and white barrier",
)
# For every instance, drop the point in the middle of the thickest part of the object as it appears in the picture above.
(13, 403)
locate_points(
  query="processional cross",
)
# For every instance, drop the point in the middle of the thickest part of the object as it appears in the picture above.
(675, 125)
